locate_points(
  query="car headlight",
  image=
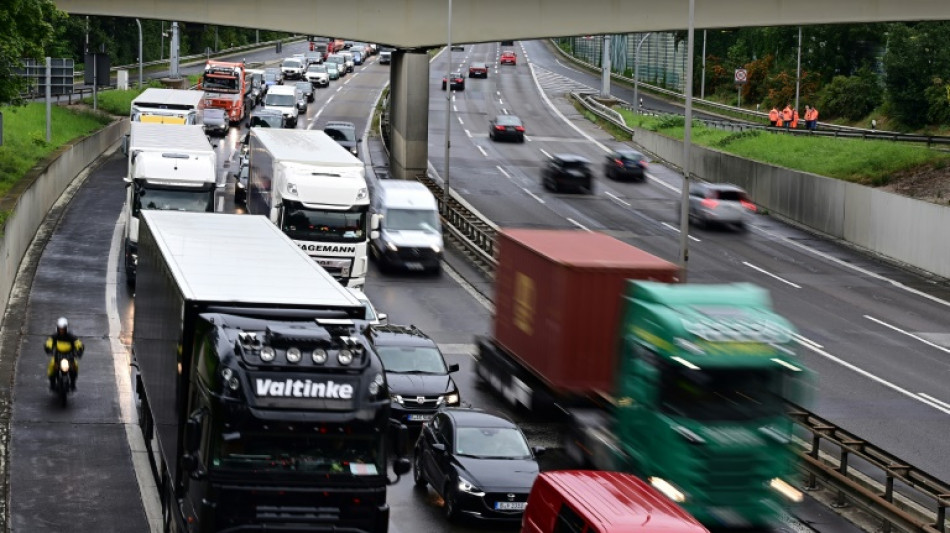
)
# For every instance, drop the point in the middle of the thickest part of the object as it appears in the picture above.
(452, 399)
(353, 150)
(436, 248)
(396, 398)
(64, 364)
(392, 247)
(469, 487)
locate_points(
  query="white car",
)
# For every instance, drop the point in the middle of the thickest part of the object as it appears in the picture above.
(292, 68)
(318, 76)
(372, 317)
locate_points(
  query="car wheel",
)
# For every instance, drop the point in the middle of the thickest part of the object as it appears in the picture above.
(443, 86)
(417, 478)
(521, 139)
(589, 186)
(545, 183)
(451, 503)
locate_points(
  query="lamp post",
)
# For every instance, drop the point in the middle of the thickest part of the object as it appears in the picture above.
(798, 69)
(687, 139)
(605, 68)
(140, 51)
(448, 114)
(161, 55)
(636, 73)
(702, 82)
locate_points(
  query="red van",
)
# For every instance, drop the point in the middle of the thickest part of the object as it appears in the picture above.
(590, 501)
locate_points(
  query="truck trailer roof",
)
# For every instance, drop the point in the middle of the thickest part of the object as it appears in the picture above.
(147, 136)
(584, 249)
(170, 98)
(235, 259)
(306, 146)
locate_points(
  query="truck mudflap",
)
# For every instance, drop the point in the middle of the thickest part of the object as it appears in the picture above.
(495, 367)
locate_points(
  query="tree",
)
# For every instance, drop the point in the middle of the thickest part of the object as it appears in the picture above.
(915, 57)
(28, 33)
(852, 97)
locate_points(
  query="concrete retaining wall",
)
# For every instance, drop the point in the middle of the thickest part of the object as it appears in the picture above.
(39, 191)
(903, 229)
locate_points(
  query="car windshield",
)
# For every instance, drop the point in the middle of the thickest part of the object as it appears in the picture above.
(195, 199)
(285, 100)
(722, 395)
(291, 63)
(571, 163)
(317, 68)
(304, 224)
(412, 220)
(305, 86)
(412, 359)
(266, 121)
(492, 443)
(630, 156)
(299, 451)
(340, 134)
(478, 65)
(731, 195)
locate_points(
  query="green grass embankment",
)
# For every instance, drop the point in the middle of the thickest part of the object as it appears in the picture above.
(855, 160)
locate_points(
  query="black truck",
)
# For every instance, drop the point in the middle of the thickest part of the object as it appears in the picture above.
(262, 405)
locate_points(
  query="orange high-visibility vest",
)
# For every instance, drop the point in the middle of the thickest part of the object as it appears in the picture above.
(773, 115)
(795, 118)
(787, 114)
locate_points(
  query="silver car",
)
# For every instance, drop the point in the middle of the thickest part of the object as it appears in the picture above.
(719, 203)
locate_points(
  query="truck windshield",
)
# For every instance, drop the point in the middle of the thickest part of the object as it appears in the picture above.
(412, 220)
(323, 453)
(304, 224)
(197, 199)
(219, 84)
(722, 394)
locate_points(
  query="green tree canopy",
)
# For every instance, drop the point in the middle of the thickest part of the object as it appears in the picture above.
(28, 28)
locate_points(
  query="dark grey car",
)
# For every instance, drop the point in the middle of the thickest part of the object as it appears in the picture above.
(215, 121)
(345, 134)
(626, 165)
(306, 88)
(567, 171)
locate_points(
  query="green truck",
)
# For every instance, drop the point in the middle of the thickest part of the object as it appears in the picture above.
(684, 385)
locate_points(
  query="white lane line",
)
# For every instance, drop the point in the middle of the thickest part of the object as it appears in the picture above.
(557, 111)
(547, 155)
(941, 403)
(503, 171)
(460, 120)
(811, 346)
(677, 230)
(909, 334)
(501, 102)
(617, 198)
(767, 273)
(505, 111)
(578, 224)
(482, 150)
(455, 108)
(468, 133)
(803, 340)
(453, 97)
(536, 197)
(330, 99)
(338, 89)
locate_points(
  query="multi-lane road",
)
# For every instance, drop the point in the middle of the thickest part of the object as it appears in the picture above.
(874, 334)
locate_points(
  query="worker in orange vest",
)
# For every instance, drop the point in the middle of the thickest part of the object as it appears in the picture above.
(814, 119)
(773, 116)
(787, 116)
(795, 119)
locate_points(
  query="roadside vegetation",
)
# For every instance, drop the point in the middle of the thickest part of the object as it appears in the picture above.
(866, 162)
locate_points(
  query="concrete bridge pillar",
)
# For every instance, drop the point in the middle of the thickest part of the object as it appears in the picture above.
(409, 113)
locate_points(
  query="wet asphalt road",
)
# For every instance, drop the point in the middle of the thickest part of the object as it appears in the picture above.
(87, 474)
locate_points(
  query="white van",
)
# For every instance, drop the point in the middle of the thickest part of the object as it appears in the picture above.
(410, 232)
(283, 98)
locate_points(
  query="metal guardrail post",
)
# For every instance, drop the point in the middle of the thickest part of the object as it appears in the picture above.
(942, 503)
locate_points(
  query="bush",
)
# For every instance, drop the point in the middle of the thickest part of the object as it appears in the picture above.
(851, 97)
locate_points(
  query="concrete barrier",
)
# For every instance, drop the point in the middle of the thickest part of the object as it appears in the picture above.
(33, 197)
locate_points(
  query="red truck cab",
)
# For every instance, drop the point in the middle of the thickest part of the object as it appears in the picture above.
(593, 501)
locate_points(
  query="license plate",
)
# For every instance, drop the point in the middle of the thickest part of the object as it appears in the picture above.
(510, 506)
(419, 418)
(414, 266)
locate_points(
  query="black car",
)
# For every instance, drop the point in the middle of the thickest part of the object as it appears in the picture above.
(458, 82)
(419, 381)
(215, 121)
(567, 171)
(506, 127)
(266, 118)
(480, 463)
(240, 185)
(306, 88)
(345, 134)
(625, 165)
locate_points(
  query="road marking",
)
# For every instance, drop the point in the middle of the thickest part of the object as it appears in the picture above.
(547, 155)
(503, 171)
(338, 89)
(468, 287)
(330, 99)
(803, 340)
(453, 96)
(460, 120)
(455, 108)
(677, 230)
(505, 111)
(934, 400)
(536, 197)
(482, 150)
(812, 346)
(767, 273)
(500, 102)
(617, 198)
(909, 334)
(468, 133)
(578, 224)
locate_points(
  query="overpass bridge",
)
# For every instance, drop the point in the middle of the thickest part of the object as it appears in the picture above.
(413, 26)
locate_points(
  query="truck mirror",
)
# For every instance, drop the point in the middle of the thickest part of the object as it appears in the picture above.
(454, 367)
(402, 466)
(374, 235)
(127, 180)
(375, 222)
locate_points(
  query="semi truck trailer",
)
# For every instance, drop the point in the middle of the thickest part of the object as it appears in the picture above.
(681, 384)
(261, 403)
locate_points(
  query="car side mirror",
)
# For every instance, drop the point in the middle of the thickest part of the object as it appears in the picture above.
(192, 436)
(539, 450)
(125, 144)
(439, 447)
(454, 367)
(383, 318)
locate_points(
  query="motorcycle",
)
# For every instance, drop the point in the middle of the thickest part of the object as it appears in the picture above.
(62, 375)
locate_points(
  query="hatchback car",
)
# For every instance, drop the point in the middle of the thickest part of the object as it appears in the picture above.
(508, 58)
(625, 165)
(504, 127)
(345, 134)
(419, 380)
(318, 76)
(307, 89)
(215, 121)
(719, 203)
(333, 71)
(458, 82)
(480, 463)
(266, 118)
(478, 70)
(567, 171)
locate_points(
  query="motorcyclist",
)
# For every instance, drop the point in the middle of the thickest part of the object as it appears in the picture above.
(63, 342)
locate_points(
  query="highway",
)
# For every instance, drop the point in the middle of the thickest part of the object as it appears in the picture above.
(70, 468)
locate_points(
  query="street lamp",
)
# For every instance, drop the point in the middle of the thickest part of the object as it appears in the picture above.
(687, 139)
(140, 51)
(636, 73)
(448, 114)
(161, 56)
(798, 69)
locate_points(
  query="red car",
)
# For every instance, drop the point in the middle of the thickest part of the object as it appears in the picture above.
(478, 70)
(458, 82)
(508, 58)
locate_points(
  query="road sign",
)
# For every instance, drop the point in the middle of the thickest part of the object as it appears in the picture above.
(742, 75)
(61, 75)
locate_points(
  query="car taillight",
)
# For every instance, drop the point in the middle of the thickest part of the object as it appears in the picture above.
(709, 203)
(748, 205)
(499, 127)
(643, 164)
(519, 128)
(458, 80)
(619, 162)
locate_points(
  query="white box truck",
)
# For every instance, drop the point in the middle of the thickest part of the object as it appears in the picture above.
(315, 191)
(167, 106)
(170, 169)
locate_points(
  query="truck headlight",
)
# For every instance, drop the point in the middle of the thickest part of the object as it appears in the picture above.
(345, 357)
(293, 355)
(668, 489)
(268, 353)
(436, 248)
(319, 356)
(787, 490)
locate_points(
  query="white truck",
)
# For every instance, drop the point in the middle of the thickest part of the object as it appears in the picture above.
(315, 191)
(167, 106)
(170, 169)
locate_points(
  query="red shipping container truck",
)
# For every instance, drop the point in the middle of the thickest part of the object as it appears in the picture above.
(557, 306)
